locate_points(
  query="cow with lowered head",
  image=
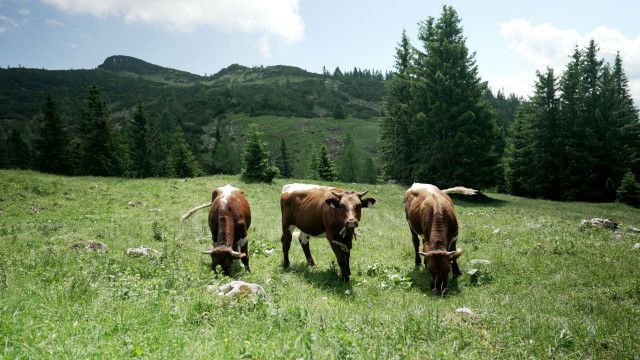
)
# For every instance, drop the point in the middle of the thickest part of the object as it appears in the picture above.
(229, 221)
(316, 210)
(430, 214)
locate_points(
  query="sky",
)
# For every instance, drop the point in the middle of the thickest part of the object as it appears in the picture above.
(511, 39)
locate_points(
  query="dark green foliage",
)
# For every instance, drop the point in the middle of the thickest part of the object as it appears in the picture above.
(51, 144)
(349, 162)
(338, 110)
(4, 156)
(312, 166)
(629, 190)
(369, 173)
(101, 150)
(18, 151)
(284, 161)
(182, 163)
(531, 166)
(438, 128)
(227, 154)
(141, 143)
(577, 145)
(326, 169)
(255, 159)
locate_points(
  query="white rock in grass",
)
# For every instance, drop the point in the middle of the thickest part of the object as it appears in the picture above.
(605, 223)
(465, 311)
(633, 230)
(636, 246)
(237, 288)
(496, 231)
(480, 262)
(91, 246)
(142, 251)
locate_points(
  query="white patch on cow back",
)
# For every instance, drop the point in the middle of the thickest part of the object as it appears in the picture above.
(225, 192)
(289, 188)
(421, 186)
(304, 238)
(242, 242)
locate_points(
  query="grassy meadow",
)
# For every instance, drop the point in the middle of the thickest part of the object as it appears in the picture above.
(552, 289)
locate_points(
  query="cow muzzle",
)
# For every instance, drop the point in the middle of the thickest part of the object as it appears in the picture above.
(352, 224)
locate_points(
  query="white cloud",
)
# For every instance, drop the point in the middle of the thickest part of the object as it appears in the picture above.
(70, 45)
(7, 23)
(280, 18)
(263, 46)
(545, 45)
(54, 23)
(24, 12)
(520, 83)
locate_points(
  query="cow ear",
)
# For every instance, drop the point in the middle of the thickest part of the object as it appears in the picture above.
(333, 202)
(368, 202)
(214, 193)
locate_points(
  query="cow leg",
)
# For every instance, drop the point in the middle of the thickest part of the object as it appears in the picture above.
(343, 261)
(455, 269)
(416, 247)
(286, 244)
(245, 259)
(304, 242)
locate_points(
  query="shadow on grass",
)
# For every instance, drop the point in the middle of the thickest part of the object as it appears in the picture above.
(326, 279)
(478, 200)
(422, 282)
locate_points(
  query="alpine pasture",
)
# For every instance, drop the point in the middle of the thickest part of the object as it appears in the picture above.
(551, 289)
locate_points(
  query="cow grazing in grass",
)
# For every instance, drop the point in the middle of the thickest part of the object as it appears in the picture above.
(229, 220)
(430, 214)
(317, 210)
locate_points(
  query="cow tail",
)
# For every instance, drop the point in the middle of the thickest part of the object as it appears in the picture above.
(190, 212)
(460, 190)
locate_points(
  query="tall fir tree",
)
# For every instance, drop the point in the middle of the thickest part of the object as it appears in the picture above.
(214, 159)
(101, 149)
(348, 166)
(326, 168)
(140, 146)
(255, 159)
(51, 144)
(626, 118)
(18, 151)
(369, 173)
(284, 161)
(182, 163)
(397, 137)
(312, 165)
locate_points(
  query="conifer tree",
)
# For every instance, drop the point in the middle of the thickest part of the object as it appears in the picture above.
(182, 163)
(51, 145)
(140, 147)
(101, 150)
(312, 167)
(338, 110)
(255, 159)
(284, 162)
(326, 167)
(629, 190)
(349, 168)
(18, 151)
(370, 173)
(214, 160)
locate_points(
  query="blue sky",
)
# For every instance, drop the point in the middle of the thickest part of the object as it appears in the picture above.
(511, 39)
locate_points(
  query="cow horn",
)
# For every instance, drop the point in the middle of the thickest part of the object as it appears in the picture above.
(237, 255)
(338, 195)
(363, 193)
(433, 252)
(210, 251)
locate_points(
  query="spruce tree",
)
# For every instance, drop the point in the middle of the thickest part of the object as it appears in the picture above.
(214, 159)
(338, 110)
(255, 159)
(629, 190)
(397, 137)
(101, 150)
(518, 153)
(456, 129)
(140, 146)
(326, 167)
(349, 168)
(312, 166)
(370, 173)
(18, 151)
(284, 162)
(51, 145)
(182, 163)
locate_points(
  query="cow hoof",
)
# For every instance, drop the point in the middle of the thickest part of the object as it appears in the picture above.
(285, 264)
(345, 279)
(247, 269)
(311, 263)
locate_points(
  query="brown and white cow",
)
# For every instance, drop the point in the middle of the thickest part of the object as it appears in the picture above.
(317, 210)
(229, 221)
(430, 214)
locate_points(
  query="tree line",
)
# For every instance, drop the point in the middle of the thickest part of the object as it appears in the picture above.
(97, 146)
(576, 138)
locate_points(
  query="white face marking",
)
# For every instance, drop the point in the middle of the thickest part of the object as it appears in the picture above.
(225, 192)
(289, 188)
(420, 186)
(242, 242)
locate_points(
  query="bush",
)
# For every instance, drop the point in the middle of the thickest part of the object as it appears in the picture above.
(629, 191)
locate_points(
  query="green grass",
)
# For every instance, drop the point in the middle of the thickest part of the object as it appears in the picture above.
(552, 290)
